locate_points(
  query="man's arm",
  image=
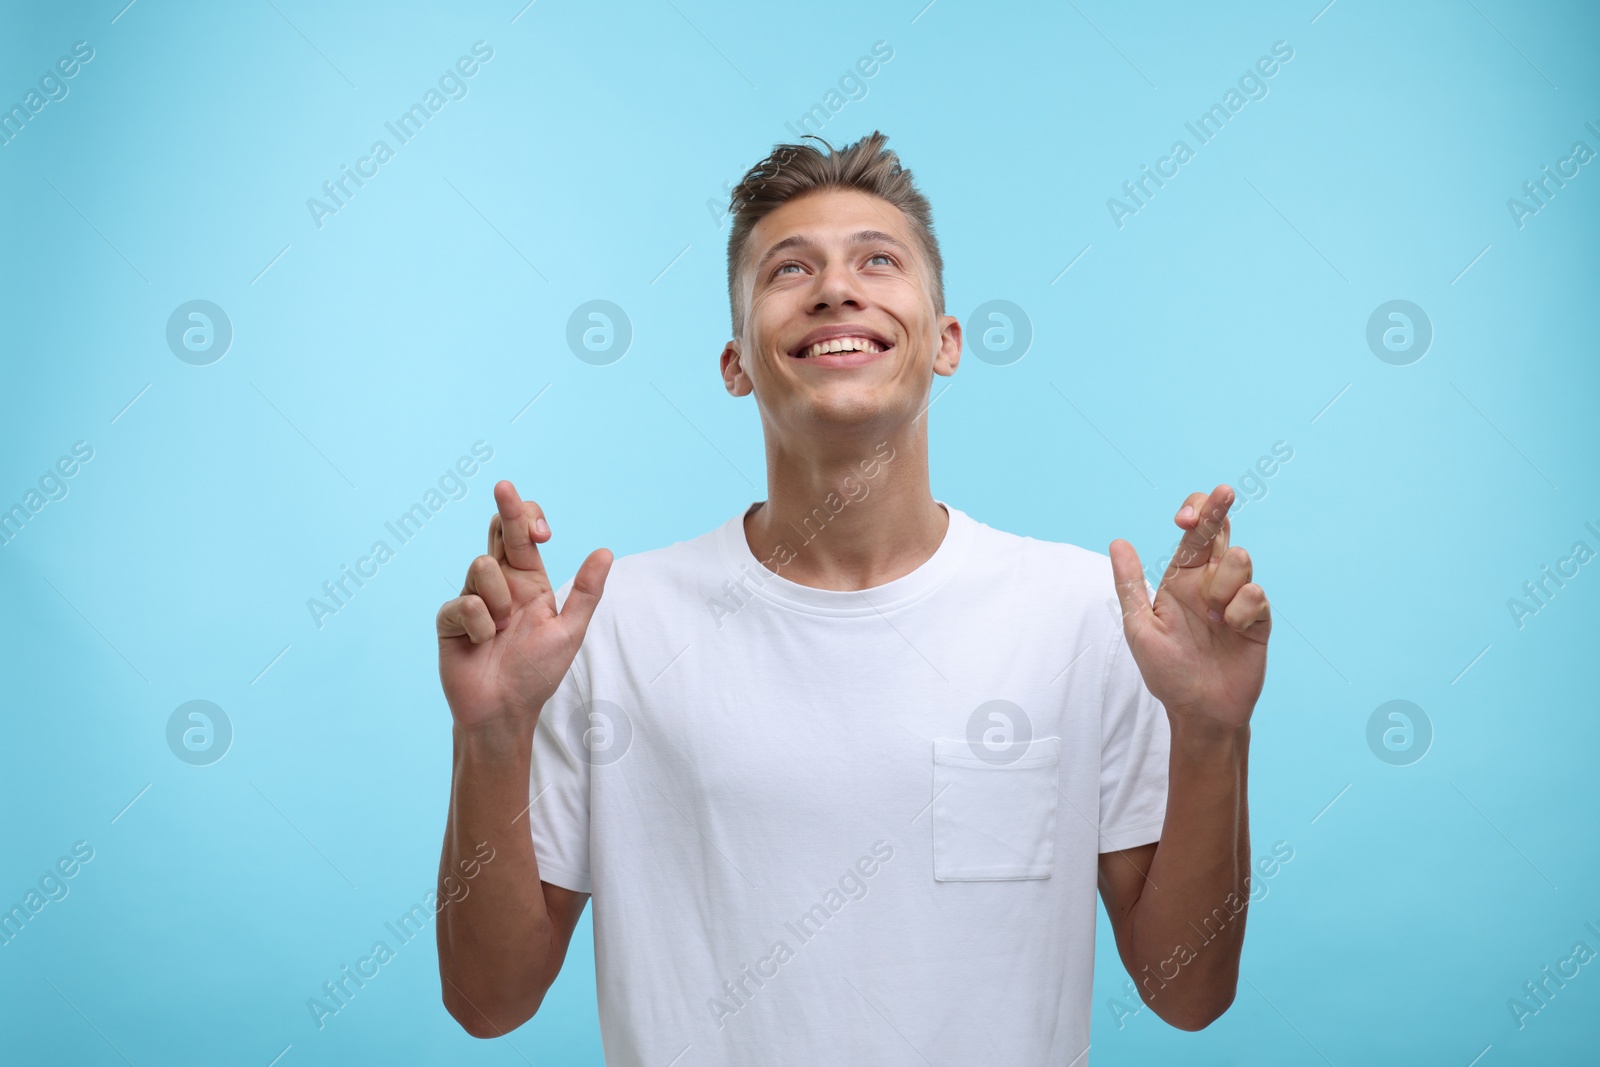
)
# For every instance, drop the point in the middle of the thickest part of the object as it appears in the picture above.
(503, 943)
(503, 651)
(1178, 907)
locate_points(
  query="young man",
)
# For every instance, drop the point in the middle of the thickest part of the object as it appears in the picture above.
(842, 775)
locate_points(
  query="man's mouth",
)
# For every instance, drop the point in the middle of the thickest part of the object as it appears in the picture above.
(835, 345)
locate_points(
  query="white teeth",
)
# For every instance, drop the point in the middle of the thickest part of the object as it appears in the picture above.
(843, 344)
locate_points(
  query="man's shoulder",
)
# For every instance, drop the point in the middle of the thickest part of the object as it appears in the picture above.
(668, 566)
(1057, 559)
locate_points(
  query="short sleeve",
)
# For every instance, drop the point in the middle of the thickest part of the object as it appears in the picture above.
(1136, 742)
(558, 787)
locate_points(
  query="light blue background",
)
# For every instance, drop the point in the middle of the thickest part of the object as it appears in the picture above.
(370, 353)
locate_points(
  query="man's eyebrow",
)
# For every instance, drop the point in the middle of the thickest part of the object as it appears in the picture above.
(860, 237)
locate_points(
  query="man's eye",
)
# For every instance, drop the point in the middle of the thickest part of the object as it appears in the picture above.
(785, 267)
(883, 256)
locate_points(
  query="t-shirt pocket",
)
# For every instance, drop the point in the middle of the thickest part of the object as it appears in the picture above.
(994, 821)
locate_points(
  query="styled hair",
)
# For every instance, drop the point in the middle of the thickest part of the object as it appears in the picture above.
(793, 170)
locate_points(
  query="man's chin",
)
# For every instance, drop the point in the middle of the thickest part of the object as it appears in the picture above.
(847, 413)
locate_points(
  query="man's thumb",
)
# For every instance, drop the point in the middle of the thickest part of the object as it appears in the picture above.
(587, 585)
(1128, 573)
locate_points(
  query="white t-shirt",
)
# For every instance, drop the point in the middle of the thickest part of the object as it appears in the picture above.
(828, 826)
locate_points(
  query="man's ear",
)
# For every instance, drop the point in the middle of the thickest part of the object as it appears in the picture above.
(948, 357)
(733, 375)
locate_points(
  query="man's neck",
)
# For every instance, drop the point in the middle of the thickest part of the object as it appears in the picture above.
(849, 516)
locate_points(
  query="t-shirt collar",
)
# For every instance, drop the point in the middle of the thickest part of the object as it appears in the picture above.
(752, 575)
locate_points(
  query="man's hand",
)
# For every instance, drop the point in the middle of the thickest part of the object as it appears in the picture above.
(1202, 646)
(503, 647)
(503, 650)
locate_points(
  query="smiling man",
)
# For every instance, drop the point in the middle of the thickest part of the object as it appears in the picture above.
(843, 774)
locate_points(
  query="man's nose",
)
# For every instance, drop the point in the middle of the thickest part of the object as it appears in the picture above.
(837, 286)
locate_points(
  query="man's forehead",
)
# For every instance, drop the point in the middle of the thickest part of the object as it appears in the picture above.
(827, 217)
(831, 214)
(810, 240)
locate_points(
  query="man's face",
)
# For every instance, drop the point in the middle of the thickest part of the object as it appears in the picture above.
(839, 269)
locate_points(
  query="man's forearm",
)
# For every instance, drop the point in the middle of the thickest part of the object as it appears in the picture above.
(1188, 923)
(494, 942)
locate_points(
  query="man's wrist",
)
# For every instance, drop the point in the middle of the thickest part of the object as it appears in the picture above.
(1202, 735)
(502, 740)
